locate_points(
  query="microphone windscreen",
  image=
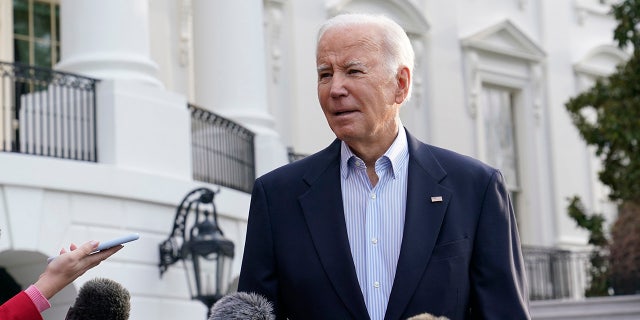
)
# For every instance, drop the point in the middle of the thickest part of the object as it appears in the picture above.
(242, 306)
(427, 316)
(101, 299)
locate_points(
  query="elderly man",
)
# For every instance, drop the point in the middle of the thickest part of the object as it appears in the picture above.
(380, 225)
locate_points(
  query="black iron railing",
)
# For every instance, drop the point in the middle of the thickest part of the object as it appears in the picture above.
(293, 156)
(223, 151)
(555, 273)
(47, 113)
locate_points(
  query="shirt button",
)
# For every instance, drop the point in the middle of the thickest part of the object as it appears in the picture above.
(373, 196)
(376, 284)
(374, 240)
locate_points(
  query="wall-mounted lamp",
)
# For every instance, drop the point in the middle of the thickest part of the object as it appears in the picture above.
(204, 251)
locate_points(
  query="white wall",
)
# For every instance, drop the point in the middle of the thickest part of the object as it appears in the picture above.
(50, 203)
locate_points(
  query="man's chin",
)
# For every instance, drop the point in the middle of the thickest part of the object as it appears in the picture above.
(343, 134)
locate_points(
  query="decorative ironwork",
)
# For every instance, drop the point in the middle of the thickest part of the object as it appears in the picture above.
(204, 251)
(223, 151)
(555, 273)
(47, 113)
(293, 156)
(198, 201)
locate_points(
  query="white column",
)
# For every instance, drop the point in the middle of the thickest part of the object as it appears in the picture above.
(140, 126)
(107, 39)
(6, 31)
(230, 71)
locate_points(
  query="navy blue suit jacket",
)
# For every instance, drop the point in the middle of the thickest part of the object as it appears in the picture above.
(460, 257)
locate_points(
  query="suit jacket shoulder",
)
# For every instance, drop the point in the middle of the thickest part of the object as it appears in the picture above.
(441, 163)
(310, 167)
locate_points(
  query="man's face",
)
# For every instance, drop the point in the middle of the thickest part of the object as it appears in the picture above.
(357, 93)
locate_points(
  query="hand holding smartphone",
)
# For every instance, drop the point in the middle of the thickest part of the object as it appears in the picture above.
(111, 243)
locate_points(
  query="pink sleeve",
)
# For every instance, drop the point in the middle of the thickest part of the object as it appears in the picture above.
(38, 299)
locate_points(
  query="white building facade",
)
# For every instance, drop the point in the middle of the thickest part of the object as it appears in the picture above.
(491, 81)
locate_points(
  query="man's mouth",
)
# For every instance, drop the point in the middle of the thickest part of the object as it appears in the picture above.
(340, 113)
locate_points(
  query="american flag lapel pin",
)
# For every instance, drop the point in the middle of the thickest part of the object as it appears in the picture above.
(436, 199)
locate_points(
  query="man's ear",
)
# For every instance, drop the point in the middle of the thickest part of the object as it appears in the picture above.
(403, 81)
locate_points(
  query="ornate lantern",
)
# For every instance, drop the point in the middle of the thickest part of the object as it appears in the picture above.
(204, 251)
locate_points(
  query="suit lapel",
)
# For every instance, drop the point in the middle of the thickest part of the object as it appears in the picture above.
(324, 213)
(423, 219)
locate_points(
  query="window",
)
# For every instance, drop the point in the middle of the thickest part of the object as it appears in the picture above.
(500, 141)
(36, 32)
(504, 82)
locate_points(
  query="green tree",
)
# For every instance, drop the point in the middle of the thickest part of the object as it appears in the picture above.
(608, 118)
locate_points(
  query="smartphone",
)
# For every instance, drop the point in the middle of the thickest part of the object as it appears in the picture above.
(110, 243)
(114, 242)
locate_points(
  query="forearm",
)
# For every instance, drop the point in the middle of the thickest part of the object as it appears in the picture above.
(49, 285)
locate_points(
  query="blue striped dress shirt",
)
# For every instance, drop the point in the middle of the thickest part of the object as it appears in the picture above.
(375, 219)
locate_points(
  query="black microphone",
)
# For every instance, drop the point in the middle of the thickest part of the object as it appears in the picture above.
(242, 306)
(101, 299)
(427, 316)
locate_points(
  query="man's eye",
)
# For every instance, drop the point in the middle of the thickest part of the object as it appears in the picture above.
(324, 75)
(354, 71)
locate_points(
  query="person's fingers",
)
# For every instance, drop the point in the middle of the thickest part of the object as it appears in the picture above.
(95, 259)
(108, 252)
(75, 263)
(88, 247)
(73, 247)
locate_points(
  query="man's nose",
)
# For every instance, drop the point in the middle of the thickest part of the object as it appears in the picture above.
(338, 88)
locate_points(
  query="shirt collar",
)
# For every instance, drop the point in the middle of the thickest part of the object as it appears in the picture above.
(397, 154)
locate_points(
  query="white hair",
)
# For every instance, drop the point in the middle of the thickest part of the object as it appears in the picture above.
(395, 42)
